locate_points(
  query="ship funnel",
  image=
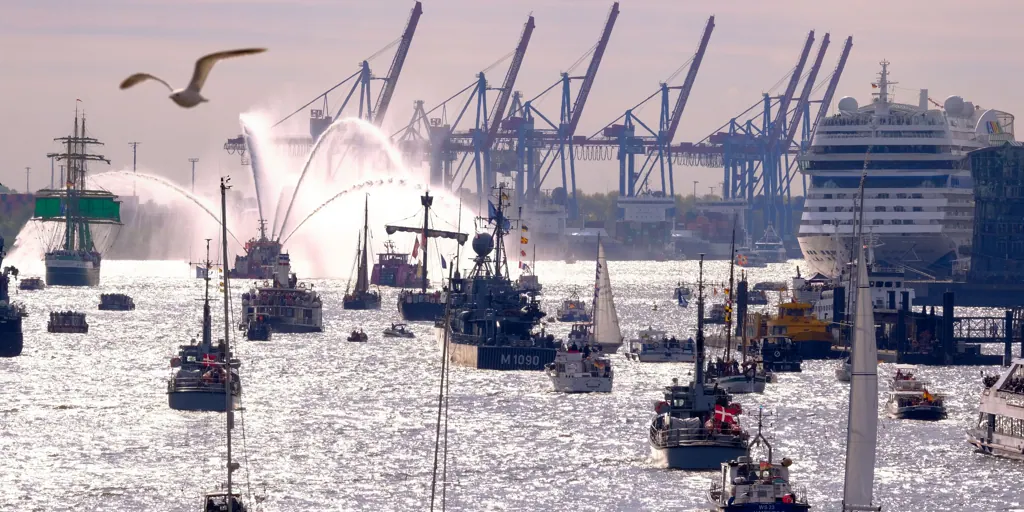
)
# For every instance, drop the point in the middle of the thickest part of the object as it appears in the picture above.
(281, 271)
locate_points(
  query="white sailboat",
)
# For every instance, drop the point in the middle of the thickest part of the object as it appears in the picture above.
(862, 424)
(606, 321)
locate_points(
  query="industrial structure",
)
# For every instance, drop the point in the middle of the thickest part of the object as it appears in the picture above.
(997, 253)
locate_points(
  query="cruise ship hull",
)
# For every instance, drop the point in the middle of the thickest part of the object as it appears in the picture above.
(72, 276)
(930, 253)
(11, 337)
(697, 456)
(195, 400)
(484, 357)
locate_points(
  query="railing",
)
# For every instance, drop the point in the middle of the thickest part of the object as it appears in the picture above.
(198, 385)
(677, 436)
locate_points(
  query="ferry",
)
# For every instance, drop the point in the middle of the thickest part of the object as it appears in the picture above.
(285, 304)
(812, 336)
(1000, 425)
(579, 369)
(919, 195)
(909, 398)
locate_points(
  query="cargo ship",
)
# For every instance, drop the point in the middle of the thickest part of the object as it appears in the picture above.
(489, 322)
(74, 258)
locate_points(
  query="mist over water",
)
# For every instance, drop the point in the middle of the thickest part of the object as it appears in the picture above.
(312, 202)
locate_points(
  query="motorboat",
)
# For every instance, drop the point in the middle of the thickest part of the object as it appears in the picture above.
(397, 331)
(573, 309)
(909, 398)
(655, 346)
(579, 369)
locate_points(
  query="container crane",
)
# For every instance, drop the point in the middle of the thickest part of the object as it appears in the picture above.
(830, 91)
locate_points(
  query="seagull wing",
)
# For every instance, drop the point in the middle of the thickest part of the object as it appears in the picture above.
(142, 77)
(205, 64)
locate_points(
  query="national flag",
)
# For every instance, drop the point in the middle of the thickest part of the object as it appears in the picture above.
(525, 229)
(77, 100)
(765, 465)
(735, 408)
(927, 396)
(209, 359)
(520, 264)
(416, 248)
(524, 240)
(522, 253)
(444, 264)
(525, 267)
(492, 215)
(723, 416)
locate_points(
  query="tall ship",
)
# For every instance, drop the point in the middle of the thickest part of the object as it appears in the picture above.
(11, 337)
(73, 256)
(259, 259)
(361, 297)
(490, 322)
(919, 192)
(394, 269)
(423, 304)
(283, 304)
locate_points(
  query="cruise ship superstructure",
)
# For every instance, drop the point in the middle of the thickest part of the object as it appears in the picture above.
(919, 204)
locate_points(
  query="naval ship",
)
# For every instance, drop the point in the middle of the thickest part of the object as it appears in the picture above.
(11, 338)
(259, 259)
(73, 259)
(919, 193)
(489, 323)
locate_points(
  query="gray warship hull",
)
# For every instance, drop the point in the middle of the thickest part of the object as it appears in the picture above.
(697, 456)
(487, 357)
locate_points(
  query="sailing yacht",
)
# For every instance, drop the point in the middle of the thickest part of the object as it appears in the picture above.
(607, 335)
(361, 297)
(862, 425)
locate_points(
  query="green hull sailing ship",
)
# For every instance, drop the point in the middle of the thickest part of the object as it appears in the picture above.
(72, 257)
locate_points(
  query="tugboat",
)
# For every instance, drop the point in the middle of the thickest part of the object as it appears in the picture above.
(393, 269)
(749, 486)
(422, 305)
(67, 322)
(75, 260)
(780, 354)
(116, 302)
(573, 309)
(491, 322)
(654, 346)
(285, 304)
(200, 382)
(909, 398)
(361, 297)
(31, 284)
(580, 370)
(259, 259)
(11, 338)
(398, 331)
(696, 426)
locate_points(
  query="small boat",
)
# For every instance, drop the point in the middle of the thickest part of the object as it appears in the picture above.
(750, 259)
(528, 281)
(909, 398)
(757, 298)
(67, 322)
(570, 259)
(717, 314)
(397, 331)
(31, 284)
(580, 370)
(751, 377)
(770, 286)
(606, 334)
(116, 302)
(746, 485)
(843, 371)
(361, 297)
(780, 354)
(257, 328)
(573, 309)
(654, 346)
(358, 336)
(683, 295)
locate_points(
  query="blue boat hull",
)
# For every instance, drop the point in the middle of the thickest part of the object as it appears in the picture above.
(420, 311)
(772, 507)
(702, 457)
(199, 401)
(11, 338)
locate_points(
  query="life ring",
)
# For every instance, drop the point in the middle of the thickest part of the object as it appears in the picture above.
(778, 354)
(266, 284)
(741, 260)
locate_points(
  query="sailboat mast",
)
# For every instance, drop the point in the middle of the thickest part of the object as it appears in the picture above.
(207, 323)
(728, 294)
(228, 410)
(427, 201)
(699, 366)
(364, 281)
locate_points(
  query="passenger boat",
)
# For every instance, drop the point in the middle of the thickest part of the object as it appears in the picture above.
(909, 398)
(12, 340)
(812, 336)
(361, 297)
(573, 309)
(747, 486)
(116, 302)
(696, 425)
(285, 304)
(423, 304)
(580, 369)
(67, 322)
(31, 283)
(1000, 425)
(398, 331)
(654, 346)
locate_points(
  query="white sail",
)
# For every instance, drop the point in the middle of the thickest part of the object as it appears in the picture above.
(862, 426)
(606, 320)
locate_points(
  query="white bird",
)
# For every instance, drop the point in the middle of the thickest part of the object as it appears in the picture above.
(189, 96)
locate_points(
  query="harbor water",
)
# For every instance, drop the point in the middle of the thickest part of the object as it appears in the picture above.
(331, 425)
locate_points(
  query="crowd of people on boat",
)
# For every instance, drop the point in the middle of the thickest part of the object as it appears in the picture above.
(291, 299)
(1012, 384)
(67, 319)
(119, 299)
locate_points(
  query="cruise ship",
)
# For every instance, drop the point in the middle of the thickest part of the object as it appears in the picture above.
(919, 199)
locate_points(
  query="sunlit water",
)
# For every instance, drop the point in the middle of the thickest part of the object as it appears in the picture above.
(84, 422)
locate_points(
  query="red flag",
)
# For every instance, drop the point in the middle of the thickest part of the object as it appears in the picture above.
(723, 415)
(522, 253)
(416, 248)
(209, 359)
(734, 409)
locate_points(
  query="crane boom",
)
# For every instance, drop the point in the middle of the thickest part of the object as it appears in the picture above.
(805, 96)
(691, 76)
(396, 65)
(776, 129)
(510, 81)
(830, 91)
(595, 62)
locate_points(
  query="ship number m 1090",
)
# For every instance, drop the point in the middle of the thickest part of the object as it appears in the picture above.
(520, 359)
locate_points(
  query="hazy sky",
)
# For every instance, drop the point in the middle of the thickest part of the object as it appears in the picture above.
(54, 51)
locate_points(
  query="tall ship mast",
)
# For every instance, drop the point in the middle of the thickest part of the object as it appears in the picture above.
(72, 256)
(919, 191)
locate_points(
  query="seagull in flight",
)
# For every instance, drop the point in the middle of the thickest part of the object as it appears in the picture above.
(189, 96)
